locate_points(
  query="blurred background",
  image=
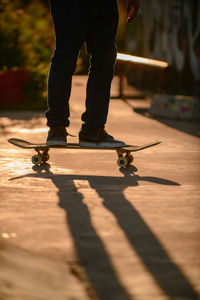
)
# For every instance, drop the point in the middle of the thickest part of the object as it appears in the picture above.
(164, 30)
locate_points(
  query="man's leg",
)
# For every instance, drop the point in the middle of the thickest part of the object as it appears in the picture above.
(101, 46)
(71, 22)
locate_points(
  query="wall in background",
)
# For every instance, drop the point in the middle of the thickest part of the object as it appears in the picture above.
(169, 30)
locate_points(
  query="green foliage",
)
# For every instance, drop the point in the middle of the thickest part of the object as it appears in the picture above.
(27, 39)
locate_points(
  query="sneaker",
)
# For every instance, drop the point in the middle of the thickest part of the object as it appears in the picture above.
(98, 138)
(57, 136)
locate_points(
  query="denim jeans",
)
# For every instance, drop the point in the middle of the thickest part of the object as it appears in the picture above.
(76, 22)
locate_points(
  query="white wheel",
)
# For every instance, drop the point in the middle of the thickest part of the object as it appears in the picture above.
(36, 159)
(122, 162)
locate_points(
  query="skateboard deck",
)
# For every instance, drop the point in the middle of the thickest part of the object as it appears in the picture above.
(42, 156)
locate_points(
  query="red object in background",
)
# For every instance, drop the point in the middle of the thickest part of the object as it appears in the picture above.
(11, 84)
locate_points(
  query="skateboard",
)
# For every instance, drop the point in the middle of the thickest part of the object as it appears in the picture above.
(124, 153)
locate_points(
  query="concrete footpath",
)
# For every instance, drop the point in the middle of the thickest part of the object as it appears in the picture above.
(80, 228)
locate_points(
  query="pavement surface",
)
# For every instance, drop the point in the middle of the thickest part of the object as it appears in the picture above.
(80, 228)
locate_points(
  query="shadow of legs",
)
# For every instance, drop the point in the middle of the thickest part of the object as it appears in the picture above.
(167, 274)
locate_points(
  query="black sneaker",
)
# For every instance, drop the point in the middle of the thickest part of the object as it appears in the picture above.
(98, 138)
(57, 136)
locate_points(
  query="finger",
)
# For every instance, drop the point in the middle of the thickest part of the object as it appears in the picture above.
(132, 14)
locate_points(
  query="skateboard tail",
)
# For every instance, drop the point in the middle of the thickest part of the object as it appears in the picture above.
(25, 144)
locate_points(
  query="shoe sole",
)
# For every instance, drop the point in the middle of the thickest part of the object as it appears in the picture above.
(56, 143)
(101, 145)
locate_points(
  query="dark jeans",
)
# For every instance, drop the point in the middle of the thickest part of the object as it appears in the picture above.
(95, 23)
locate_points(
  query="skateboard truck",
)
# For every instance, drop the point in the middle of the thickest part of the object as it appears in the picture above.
(42, 156)
(124, 161)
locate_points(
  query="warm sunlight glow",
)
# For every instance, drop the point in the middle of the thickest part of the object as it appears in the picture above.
(142, 60)
(5, 235)
(27, 130)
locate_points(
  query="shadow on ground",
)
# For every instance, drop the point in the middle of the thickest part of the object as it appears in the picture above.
(188, 126)
(92, 254)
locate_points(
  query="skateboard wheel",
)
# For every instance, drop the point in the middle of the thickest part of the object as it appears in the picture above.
(45, 157)
(122, 162)
(130, 158)
(36, 159)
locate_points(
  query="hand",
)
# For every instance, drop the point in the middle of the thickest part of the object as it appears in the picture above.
(132, 10)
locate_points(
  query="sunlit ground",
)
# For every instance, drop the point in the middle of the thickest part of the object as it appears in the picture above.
(17, 162)
(125, 218)
(25, 130)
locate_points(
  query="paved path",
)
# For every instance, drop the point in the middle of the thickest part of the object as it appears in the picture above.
(80, 228)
